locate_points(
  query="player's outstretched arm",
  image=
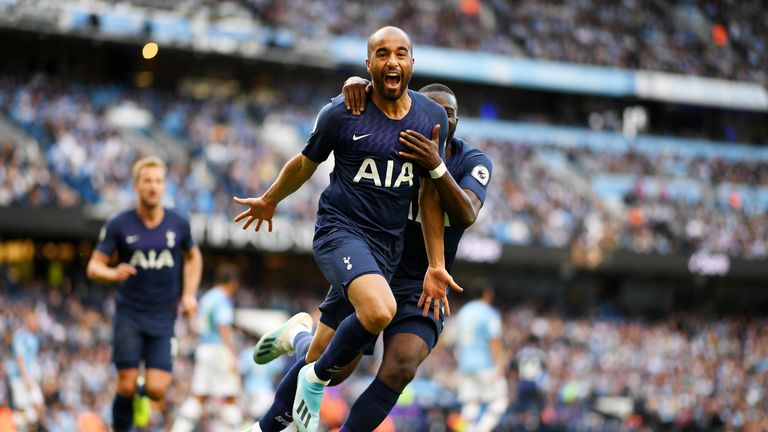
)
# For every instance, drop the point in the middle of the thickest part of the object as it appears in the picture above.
(294, 174)
(99, 269)
(193, 272)
(355, 91)
(461, 205)
(436, 279)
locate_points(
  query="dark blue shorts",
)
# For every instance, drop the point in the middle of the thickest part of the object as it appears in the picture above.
(408, 318)
(343, 257)
(131, 345)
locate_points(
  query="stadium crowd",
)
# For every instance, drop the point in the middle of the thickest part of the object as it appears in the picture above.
(726, 39)
(235, 146)
(685, 371)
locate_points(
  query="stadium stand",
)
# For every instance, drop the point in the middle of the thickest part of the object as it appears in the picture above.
(649, 201)
(689, 369)
(635, 344)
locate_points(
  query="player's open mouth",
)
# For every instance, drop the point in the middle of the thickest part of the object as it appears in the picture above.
(392, 79)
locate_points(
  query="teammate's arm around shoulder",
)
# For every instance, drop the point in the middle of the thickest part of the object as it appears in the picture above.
(436, 278)
(193, 272)
(294, 174)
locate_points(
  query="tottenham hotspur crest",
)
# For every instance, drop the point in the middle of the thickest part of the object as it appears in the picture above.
(170, 238)
(346, 261)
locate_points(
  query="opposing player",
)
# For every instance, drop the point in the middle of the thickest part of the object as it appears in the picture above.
(412, 334)
(363, 212)
(481, 361)
(149, 242)
(216, 370)
(24, 375)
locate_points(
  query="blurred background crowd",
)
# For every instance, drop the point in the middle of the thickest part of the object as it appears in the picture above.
(630, 198)
(617, 129)
(689, 370)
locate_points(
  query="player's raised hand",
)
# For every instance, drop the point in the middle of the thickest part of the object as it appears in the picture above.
(355, 93)
(123, 271)
(436, 283)
(259, 210)
(423, 151)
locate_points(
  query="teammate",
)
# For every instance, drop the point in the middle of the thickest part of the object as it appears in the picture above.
(482, 367)
(411, 335)
(149, 242)
(216, 370)
(363, 212)
(24, 375)
(531, 365)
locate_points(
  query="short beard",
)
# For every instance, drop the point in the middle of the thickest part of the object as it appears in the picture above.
(144, 203)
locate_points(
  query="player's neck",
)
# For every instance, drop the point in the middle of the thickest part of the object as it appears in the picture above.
(394, 109)
(151, 217)
(448, 148)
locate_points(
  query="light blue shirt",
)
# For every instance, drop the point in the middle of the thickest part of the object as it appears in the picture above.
(477, 324)
(215, 309)
(259, 378)
(25, 345)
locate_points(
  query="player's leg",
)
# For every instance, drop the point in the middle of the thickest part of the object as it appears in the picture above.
(495, 399)
(203, 376)
(404, 350)
(189, 413)
(279, 414)
(158, 361)
(25, 415)
(375, 306)
(284, 339)
(127, 349)
(216, 376)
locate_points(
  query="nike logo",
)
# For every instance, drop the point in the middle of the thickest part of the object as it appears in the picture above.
(131, 239)
(358, 137)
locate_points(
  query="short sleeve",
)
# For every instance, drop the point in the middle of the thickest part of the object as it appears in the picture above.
(322, 140)
(18, 344)
(477, 174)
(225, 315)
(494, 326)
(187, 242)
(108, 238)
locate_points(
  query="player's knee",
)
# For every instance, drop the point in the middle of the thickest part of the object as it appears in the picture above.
(126, 386)
(377, 317)
(155, 392)
(398, 374)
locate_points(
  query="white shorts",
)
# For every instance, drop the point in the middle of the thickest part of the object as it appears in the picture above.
(215, 372)
(23, 396)
(481, 386)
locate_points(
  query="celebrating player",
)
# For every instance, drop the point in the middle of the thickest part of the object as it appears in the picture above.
(216, 370)
(148, 241)
(363, 212)
(412, 333)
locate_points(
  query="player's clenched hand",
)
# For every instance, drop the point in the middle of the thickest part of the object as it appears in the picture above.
(423, 151)
(436, 283)
(123, 271)
(188, 304)
(259, 210)
(355, 92)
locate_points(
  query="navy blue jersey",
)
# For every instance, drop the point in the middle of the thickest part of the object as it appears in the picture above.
(149, 298)
(371, 186)
(471, 169)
